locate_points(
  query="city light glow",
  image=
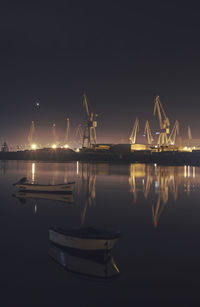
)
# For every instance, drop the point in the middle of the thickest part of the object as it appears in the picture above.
(34, 146)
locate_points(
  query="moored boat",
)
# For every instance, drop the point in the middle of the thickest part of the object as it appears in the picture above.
(90, 238)
(24, 185)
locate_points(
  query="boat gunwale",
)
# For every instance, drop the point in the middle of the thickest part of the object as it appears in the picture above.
(69, 232)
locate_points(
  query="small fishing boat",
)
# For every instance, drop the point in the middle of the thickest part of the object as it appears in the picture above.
(62, 197)
(89, 238)
(101, 266)
(24, 185)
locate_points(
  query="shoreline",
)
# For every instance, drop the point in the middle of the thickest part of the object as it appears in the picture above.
(165, 157)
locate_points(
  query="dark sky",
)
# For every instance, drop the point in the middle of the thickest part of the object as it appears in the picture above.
(122, 53)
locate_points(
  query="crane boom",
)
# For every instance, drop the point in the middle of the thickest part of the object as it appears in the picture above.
(163, 121)
(134, 131)
(174, 132)
(89, 134)
(147, 131)
(67, 133)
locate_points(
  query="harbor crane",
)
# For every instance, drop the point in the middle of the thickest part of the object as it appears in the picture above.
(31, 134)
(79, 132)
(147, 131)
(189, 133)
(134, 131)
(163, 121)
(55, 138)
(89, 131)
(66, 145)
(174, 132)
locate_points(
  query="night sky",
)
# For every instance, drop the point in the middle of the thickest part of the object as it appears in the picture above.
(121, 53)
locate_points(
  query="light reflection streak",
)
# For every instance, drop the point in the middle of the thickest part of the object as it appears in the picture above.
(161, 181)
(33, 173)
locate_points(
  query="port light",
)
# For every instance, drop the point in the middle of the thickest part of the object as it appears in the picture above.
(66, 146)
(33, 146)
(54, 146)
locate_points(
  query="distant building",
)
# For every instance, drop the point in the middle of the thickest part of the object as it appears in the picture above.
(4, 147)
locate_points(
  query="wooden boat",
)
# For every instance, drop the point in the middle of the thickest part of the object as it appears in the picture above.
(85, 263)
(90, 239)
(62, 197)
(24, 185)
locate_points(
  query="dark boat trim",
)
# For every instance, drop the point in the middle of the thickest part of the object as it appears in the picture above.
(82, 233)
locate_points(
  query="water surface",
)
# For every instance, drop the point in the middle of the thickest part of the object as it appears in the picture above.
(155, 208)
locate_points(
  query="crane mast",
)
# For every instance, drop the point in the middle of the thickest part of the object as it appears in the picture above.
(189, 133)
(31, 134)
(89, 132)
(174, 132)
(79, 132)
(55, 138)
(147, 131)
(66, 145)
(134, 131)
(163, 121)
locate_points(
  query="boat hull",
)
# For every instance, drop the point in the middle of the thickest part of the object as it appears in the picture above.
(81, 243)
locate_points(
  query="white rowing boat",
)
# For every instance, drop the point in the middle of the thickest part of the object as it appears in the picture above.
(88, 239)
(24, 185)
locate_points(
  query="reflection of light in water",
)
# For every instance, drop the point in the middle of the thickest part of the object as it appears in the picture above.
(185, 171)
(35, 208)
(33, 172)
(77, 167)
(193, 172)
(188, 171)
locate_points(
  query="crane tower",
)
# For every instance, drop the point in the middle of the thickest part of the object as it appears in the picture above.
(89, 131)
(163, 121)
(66, 145)
(31, 134)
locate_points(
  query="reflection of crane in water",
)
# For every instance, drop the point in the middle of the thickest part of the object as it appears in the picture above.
(165, 179)
(136, 171)
(89, 186)
(165, 182)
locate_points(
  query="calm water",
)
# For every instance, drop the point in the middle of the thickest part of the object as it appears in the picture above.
(156, 209)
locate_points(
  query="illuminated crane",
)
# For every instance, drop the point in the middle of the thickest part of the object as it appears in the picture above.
(174, 132)
(164, 122)
(31, 134)
(79, 132)
(55, 138)
(89, 133)
(147, 131)
(134, 131)
(189, 133)
(66, 145)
